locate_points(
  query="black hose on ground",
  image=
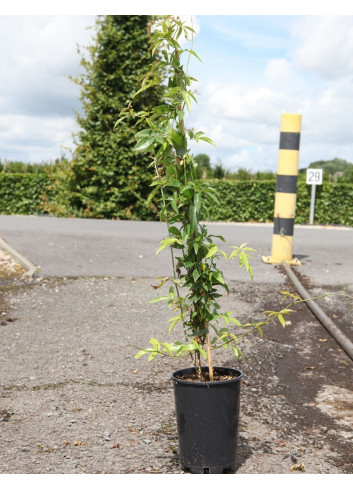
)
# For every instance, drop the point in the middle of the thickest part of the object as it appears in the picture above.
(340, 337)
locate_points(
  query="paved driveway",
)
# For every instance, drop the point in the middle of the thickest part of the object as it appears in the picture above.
(91, 247)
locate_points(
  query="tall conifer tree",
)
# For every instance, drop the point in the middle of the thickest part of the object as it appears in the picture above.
(108, 179)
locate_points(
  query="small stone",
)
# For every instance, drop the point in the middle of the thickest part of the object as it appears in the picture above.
(243, 436)
(106, 435)
(148, 441)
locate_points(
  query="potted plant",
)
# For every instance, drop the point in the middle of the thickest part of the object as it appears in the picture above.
(206, 396)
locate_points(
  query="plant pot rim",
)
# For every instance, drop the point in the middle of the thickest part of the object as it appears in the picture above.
(190, 370)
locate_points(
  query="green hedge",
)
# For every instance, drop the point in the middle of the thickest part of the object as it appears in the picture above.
(254, 201)
(23, 193)
(333, 204)
(241, 201)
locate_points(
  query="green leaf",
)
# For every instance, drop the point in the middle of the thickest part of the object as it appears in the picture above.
(179, 142)
(197, 135)
(197, 201)
(187, 99)
(144, 144)
(212, 251)
(144, 133)
(155, 343)
(157, 299)
(207, 140)
(167, 242)
(174, 206)
(235, 321)
(168, 348)
(152, 355)
(173, 322)
(193, 218)
(174, 230)
(152, 194)
(195, 275)
(219, 278)
(189, 347)
(224, 255)
(140, 353)
(202, 351)
(194, 54)
(119, 121)
(281, 320)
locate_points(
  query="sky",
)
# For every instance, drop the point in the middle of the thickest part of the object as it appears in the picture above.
(254, 68)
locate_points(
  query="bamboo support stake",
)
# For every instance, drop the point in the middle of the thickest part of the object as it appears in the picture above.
(210, 366)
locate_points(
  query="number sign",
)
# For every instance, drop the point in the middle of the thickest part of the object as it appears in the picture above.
(313, 176)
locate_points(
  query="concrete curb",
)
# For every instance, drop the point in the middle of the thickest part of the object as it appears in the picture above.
(22, 260)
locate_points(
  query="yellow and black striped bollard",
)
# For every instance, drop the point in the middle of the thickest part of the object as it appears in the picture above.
(286, 191)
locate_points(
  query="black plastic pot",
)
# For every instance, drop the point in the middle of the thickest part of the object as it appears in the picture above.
(207, 420)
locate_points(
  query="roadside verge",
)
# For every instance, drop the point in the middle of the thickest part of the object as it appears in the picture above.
(22, 260)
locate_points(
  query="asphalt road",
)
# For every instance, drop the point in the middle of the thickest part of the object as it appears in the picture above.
(67, 366)
(62, 247)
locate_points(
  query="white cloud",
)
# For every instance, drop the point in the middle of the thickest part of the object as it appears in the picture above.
(37, 100)
(280, 72)
(244, 119)
(324, 45)
(33, 138)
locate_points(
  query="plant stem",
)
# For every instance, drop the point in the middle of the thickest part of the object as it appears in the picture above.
(198, 364)
(209, 357)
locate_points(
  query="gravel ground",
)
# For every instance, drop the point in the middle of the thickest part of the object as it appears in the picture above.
(9, 267)
(75, 401)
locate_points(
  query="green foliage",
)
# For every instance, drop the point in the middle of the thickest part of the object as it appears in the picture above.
(23, 193)
(242, 174)
(107, 178)
(336, 169)
(203, 166)
(182, 199)
(254, 201)
(332, 166)
(9, 166)
(243, 201)
(218, 172)
(205, 170)
(333, 204)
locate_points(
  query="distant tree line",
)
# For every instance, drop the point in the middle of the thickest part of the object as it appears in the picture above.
(337, 170)
(13, 166)
(334, 170)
